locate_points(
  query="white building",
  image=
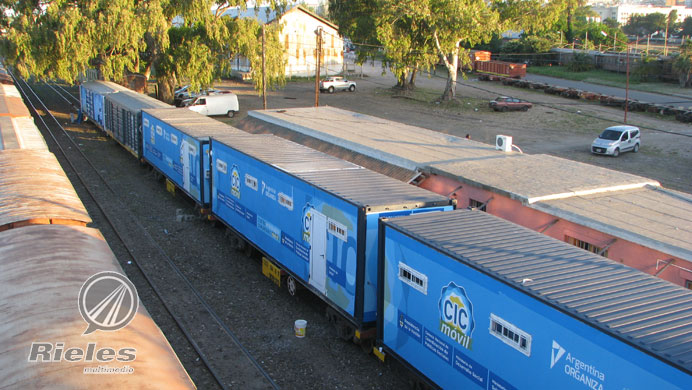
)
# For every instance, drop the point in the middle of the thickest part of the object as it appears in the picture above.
(623, 12)
(299, 39)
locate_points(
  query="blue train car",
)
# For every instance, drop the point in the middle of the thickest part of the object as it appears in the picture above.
(92, 96)
(314, 214)
(471, 301)
(176, 142)
(123, 120)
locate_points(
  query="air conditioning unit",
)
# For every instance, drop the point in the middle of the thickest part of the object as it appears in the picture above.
(503, 143)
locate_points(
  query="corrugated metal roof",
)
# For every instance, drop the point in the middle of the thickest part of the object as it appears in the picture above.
(193, 123)
(136, 101)
(349, 181)
(20, 133)
(657, 218)
(42, 269)
(33, 187)
(103, 87)
(531, 178)
(639, 309)
(9, 90)
(257, 126)
(13, 106)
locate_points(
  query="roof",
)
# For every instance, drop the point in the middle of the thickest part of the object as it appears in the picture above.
(192, 123)
(265, 14)
(33, 187)
(20, 133)
(638, 309)
(356, 184)
(657, 218)
(531, 178)
(42, 269)
(403, 145)
(136, 101)
(102, 87)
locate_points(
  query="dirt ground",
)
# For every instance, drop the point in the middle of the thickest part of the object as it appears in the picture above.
(556, 125)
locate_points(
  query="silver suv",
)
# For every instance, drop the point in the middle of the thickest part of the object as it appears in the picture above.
(617, 139)
(330, 84)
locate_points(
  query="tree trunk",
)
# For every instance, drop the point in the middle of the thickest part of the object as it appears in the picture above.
(166, 88)
(450, 92)
(412, 81)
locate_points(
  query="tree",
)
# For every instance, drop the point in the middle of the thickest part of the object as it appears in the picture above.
(356, 20)
(571, 7)
(60, 40)
(645, 24)
(687, 26)
(682, 64)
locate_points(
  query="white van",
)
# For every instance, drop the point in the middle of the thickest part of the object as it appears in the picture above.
(223, 103)
(617, 139)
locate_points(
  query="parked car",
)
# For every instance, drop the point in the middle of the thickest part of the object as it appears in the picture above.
(222, 103)
(331, 84)
(504, 103)
(183, 94)
(617, 139)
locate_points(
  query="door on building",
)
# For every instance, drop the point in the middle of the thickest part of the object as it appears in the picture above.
(318, 251)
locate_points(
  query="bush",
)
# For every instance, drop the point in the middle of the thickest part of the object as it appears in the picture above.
(581, 62)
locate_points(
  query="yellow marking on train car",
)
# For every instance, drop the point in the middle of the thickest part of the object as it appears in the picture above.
(271, 271)
(380, 354)
(170, 187)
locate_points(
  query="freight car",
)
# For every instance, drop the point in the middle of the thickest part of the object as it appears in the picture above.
(92, 96)
(44, 344)
(471, 301)
(313, 214)
(17, 128)
(500, 68)
(176, 143)
(123, 119)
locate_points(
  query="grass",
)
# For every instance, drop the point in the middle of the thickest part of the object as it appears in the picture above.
(603, 77)
(431, 97)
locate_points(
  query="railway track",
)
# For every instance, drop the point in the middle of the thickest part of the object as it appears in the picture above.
(225, 358)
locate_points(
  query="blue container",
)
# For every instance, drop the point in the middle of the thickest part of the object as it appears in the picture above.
(176, 142)
(124, 118)
(471, 301)
(313, 214)
(92, 96)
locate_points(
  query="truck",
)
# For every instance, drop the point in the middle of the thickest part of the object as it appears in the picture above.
(472, 301)
(222, 103)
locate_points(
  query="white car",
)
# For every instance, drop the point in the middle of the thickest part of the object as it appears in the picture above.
(222, 103)
(617, 139)
(331, 84)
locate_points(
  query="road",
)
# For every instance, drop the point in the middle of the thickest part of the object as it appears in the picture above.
(674, 100)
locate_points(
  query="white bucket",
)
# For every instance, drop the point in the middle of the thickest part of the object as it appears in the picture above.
(299, 328)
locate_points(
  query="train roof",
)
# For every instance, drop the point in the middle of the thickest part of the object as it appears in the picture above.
(102, 87)
(35, 189)
(363, 187)
(13, 107)
(42, 269)
(192, 123)
(136, 101)
(20, 133)
(646, 312)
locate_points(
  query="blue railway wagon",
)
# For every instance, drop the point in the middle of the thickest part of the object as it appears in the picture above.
(475, 302)
(176, 142)
(313, 214)
(92, 96)
(124, 118)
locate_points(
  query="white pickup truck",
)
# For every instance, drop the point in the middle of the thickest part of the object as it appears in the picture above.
(331, 84)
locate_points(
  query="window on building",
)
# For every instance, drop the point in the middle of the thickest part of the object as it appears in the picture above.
(510, 334)
(586, 246)
(476, 204)
(688, 284)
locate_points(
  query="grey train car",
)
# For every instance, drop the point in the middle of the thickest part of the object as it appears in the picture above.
(123, 120)
(35, 190)
(45, 342)
(92, 95)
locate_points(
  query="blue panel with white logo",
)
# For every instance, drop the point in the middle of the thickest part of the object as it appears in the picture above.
(466, 329)
(308, 231)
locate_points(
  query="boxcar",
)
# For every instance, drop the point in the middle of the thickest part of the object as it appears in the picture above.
(313, 214)
(43, 343)
(123, 119)
(92, 96)
(501, 68)
(176, 142)
(471, 301)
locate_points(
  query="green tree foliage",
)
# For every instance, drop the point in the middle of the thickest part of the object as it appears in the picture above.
(645, 24)
(61, 39)
(356, 20)
(682, 64)
(687, 26)
(581, 62)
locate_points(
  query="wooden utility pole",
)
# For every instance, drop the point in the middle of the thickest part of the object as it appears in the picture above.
(318, 52)
(264, 73)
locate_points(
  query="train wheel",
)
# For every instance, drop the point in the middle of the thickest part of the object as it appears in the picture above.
(367, 344)
(291, 285)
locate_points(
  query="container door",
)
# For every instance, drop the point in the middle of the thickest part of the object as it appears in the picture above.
(185, 155)
(318, 251)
